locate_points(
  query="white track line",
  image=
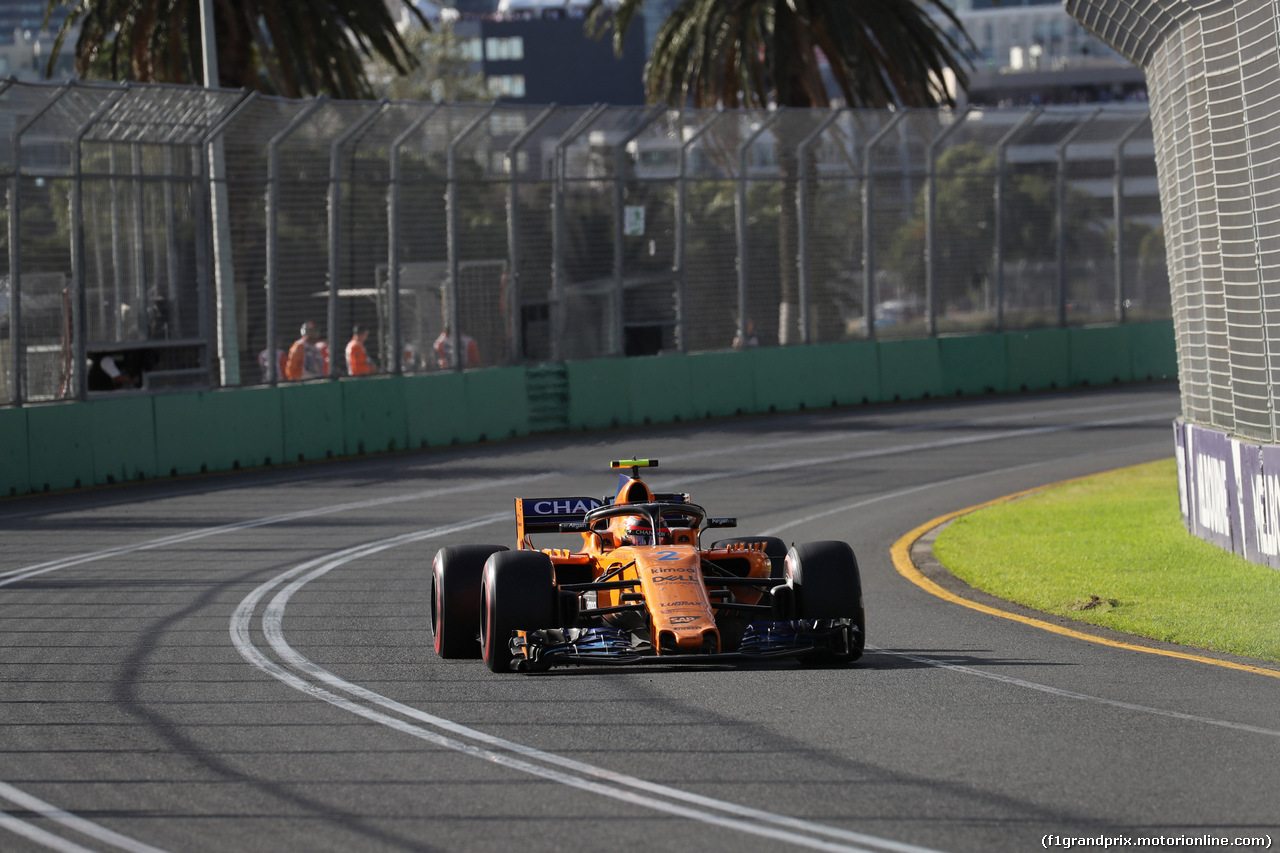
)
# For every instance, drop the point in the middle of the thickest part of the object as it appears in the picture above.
(839, 432)
(37, 806)
(911, 490)
(40, 836)
(566, 771)
(15, 575)
(923, 445)
(1083, 697)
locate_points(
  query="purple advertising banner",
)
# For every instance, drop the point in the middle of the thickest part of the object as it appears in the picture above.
(1229, 492)
(1211, 487)
(1266, 507)
(1184, 475)
(1247, 460)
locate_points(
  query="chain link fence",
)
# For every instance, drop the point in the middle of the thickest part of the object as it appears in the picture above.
(189, 235)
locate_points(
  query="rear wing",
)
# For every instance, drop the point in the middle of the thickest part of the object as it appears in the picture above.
(545, 515)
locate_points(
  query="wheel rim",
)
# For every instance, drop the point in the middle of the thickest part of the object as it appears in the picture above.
(437, 616)
(486, 639)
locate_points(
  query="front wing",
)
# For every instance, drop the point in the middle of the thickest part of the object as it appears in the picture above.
(607, 646)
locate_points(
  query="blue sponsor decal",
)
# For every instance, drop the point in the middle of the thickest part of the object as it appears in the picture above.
(558, 507)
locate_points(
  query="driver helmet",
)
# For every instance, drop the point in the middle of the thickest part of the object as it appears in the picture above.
(639, 532)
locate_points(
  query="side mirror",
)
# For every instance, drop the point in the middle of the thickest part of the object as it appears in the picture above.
(721, 522)
(574, 527)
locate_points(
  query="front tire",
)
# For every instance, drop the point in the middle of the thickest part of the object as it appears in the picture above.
(827, 589)
(518, 593)
(456, 573)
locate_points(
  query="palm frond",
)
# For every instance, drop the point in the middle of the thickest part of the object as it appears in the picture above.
(305, 47)
(759, 52)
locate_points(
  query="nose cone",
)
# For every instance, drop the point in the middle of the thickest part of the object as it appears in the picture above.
(679, 610)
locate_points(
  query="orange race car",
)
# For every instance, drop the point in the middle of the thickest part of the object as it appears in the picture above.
(642, 589)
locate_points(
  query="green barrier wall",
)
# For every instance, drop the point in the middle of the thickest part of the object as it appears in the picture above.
(497, 404)
(721, 384)
(435, 409)
(1154, 347)
(313, 421)
(123, 440)
(187, 430)
(252, 420)
(70, 445)
(791, 378)
(59, 446)
(598, 395)
(973, 364)
(910, 369)
(15, 475)
(855, 371)
(1038, 359)
(1101, 356)
(218, 431)
(373, 415)
(661, 389)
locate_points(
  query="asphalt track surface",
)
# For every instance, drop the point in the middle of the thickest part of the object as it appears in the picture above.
(244, 663)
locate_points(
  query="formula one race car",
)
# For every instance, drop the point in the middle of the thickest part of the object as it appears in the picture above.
(643, 589)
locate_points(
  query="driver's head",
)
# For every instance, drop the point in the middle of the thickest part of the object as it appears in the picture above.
(638, 531)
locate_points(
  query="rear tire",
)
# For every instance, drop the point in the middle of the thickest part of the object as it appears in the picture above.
(774, 548)
(518, 593)
(455, 598)
(827, 587)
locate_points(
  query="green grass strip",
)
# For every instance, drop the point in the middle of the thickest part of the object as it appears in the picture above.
(1112, 550)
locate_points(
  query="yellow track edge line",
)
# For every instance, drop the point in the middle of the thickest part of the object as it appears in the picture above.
(901, 553)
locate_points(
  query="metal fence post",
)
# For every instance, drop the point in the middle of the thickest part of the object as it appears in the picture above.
(515, 257)
(451, 242)
(273, 226)
(395, 355)
(1117, 202)
(224, 269)
(740, 220)
(931, 223)
(1061, 287)
(138, 249)
(211, 194)
(681, 235)
(869, 294)
(1002, 149)
(15, 246)
(335, 228)
(802, 220)
(79, 303)
(171, 239)
(559, 167)
(200, 204)
(617, 343)
(117, 259)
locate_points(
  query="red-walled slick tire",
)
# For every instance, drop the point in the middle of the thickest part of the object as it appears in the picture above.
(455, 598)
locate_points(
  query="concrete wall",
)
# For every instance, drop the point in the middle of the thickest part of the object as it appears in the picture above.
(129, 438)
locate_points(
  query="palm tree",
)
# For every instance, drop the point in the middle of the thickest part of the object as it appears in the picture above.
(763, 53)
(732, 53)
(294, 48)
